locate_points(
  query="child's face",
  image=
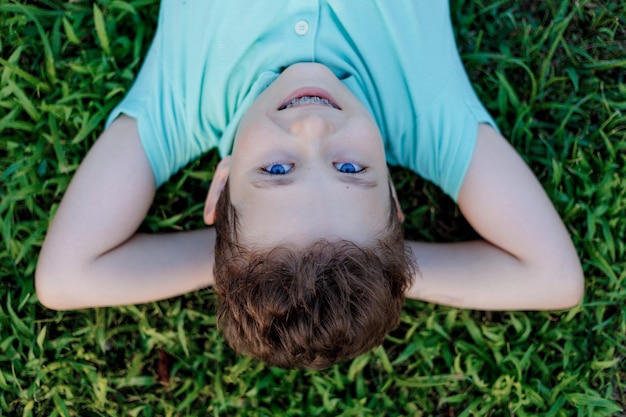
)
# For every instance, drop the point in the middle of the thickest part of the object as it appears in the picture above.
(293, 171)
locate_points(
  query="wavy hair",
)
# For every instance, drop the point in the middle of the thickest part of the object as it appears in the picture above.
(308, 307)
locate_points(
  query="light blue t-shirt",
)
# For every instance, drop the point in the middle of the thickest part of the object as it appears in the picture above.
(210, 59)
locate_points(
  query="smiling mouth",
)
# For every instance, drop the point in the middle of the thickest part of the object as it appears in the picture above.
(307, 96)
(307, 100)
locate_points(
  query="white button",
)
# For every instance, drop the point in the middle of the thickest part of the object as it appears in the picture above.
(302, 27)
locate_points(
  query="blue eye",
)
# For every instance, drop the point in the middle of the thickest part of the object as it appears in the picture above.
(348, 168)
(278, 169)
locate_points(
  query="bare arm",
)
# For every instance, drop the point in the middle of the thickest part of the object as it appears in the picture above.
(526, 261)
(92, 255)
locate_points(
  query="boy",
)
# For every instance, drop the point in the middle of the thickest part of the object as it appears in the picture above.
(307, 102)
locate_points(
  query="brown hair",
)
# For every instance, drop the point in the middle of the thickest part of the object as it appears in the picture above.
(310, 307)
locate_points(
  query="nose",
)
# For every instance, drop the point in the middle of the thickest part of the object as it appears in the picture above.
(312, 125)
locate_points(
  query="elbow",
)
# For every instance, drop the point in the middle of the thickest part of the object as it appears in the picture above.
(577, 290)
(49, 287)
(44, 287)
(568, 285)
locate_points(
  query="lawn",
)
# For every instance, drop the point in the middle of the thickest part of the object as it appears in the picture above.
(552, 73)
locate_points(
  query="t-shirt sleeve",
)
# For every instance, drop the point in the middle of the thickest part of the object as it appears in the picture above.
(431, 112)
(146, 102)
(161, 98)
(446, 133)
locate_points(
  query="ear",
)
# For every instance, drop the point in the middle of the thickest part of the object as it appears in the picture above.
(399, 212)
(215, 190)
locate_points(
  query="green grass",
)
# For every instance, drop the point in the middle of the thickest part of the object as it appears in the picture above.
(552, 73)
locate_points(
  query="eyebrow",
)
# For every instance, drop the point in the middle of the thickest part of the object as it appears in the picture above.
(280, 180)
(272, 181)
(358, 181)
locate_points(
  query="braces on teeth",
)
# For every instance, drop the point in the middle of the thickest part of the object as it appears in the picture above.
(306, 100)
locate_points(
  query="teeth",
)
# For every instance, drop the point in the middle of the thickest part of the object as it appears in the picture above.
(306, 100)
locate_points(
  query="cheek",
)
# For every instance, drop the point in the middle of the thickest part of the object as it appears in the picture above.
(366, 135)
(250, 133)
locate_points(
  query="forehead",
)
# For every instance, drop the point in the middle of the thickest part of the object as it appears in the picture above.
(299, 215)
